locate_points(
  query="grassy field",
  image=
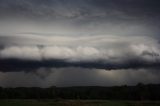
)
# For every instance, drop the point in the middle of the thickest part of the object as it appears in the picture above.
(76, 103)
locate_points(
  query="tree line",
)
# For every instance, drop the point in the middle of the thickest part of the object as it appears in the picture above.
(138, 92)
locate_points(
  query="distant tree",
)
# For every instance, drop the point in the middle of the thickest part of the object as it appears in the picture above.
(138, 92)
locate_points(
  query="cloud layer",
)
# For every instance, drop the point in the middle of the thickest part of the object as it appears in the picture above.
(79, 42)
(78, 77)
(126, 55)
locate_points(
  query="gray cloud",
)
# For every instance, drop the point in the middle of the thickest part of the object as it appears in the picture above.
(71, 8)
(78, 77)
(63, 37)
(28, 53)
(122, 17)
(132, 56)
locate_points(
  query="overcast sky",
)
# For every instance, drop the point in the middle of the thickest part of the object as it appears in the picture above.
(79, 42)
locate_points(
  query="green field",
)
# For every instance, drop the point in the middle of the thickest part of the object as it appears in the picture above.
(76, 103)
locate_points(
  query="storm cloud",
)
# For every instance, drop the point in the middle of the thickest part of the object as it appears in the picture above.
(78, 77)
(90, 38)
(27, 52)
(29, 58)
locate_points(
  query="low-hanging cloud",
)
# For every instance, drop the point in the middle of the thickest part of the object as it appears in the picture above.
(77, 42)
(27, 58)
(72, 76)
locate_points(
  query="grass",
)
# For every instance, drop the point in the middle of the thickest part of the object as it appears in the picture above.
(76, 103)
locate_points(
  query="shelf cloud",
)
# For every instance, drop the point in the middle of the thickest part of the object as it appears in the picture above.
(42, 37)
(133, 56)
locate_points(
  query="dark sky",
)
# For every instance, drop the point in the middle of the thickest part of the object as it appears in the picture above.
(79, 42)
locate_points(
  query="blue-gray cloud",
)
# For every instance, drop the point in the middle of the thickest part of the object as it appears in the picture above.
(85, 34)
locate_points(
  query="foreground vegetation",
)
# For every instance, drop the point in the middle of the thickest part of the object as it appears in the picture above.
(139, 95)
(139, 92)
(76, 103)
